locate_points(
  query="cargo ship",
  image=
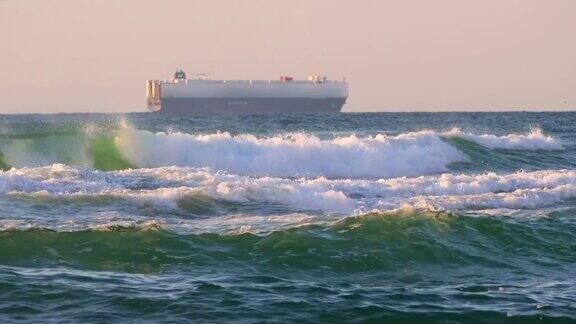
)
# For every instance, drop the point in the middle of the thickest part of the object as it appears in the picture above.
(200, 95)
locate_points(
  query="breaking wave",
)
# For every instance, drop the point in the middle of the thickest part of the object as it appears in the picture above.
(297, 154)
(286, 155)
(533, 141)
(294, 154)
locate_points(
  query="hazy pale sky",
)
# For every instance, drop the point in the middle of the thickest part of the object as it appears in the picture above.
(398, 55)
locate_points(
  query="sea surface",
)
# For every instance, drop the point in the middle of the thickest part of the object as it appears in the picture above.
(391, 217)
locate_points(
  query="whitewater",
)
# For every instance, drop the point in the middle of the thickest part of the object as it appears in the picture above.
(458, 214)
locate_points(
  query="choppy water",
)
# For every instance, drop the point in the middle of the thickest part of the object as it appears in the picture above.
(462, 217)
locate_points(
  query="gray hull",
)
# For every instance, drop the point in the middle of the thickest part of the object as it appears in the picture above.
(249, 105)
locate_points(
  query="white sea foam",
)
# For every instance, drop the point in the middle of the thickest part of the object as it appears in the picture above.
(517, 199)
(55, 179)
(167, 187)
(532, 141)
(294, 154)
(297, 154)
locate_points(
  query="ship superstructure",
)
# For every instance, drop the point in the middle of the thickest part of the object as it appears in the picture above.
(202, 95)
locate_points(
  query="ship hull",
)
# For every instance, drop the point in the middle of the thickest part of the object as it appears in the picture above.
(179, 105)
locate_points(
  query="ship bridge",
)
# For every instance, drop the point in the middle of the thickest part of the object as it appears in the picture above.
(180, 75)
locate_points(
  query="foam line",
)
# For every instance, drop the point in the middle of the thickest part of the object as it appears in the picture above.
(166, 187)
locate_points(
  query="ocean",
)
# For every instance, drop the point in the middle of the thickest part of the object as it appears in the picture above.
(381, 217)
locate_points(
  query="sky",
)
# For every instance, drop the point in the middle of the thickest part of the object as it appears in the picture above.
(398, 55)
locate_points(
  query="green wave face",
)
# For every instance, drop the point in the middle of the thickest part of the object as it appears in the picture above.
(105, 155)
(3, 165)
(419, 265)
(483, 158)
(41, 151)
(66, 147)
(479, 156)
